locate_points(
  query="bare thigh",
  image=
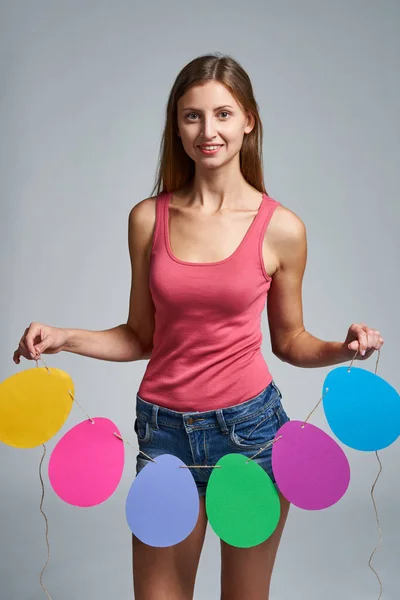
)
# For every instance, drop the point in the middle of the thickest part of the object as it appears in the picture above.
(246, 572)
(166, 573)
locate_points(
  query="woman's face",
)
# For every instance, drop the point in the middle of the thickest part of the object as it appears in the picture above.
(209, 114)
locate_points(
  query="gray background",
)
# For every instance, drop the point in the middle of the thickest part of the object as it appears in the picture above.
(83, 93)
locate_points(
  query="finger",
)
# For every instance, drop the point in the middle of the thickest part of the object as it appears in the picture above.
(375, 341)
(378, 341)
(21, 351)
(353, 345)
(363, 341)
(366, 338)
(33, 331)
(356, 329)
(24, 351)
(371, 339)
(44, 344)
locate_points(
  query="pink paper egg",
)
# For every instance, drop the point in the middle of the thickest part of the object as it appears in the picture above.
(86, 465)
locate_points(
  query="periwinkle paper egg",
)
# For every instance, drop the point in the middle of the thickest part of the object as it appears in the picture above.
(162, 506)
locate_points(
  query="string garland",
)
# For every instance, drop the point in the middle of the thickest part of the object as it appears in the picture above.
(269, 444)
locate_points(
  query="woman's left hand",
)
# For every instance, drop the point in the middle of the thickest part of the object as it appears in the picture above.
(364, 339)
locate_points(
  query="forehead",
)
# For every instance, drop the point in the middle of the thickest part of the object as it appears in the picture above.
(207, 96)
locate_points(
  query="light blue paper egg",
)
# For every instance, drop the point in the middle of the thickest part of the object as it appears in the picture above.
(362, 409)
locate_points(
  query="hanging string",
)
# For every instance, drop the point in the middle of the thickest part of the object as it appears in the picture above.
(218, 467)
(41, 480)
(372, 492)
(47, 524)
(271, 441)
(373, 487)
(45, 517)
(376, 511)
(302, 426)
(379, 528)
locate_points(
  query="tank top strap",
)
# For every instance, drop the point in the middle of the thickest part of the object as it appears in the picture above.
(266, 211)
(253, 238)
(255, 235)
(160, 222)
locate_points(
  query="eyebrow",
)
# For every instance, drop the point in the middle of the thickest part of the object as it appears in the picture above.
(199, 110)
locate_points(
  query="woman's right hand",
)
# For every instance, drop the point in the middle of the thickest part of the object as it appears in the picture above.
(38, 339)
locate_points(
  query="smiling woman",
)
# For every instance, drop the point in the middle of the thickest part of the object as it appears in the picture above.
(218, 248)
(208, 250)
(211, 121)
(208, 149)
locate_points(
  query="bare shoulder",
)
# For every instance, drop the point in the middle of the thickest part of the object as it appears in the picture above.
(142, 218)
(286, 229)
(285, 237)
(143, 213)
(286, 225)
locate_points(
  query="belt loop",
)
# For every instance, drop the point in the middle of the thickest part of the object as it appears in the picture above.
(220, 418)
(154, 415)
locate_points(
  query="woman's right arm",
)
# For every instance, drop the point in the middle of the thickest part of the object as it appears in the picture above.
(129, 341)
(119, 344)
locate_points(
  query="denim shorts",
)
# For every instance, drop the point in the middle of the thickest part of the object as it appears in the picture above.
(202, 438)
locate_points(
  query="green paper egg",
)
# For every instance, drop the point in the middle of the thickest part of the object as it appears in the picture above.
(242, 502)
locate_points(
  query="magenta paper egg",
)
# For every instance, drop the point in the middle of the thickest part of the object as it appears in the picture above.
(86, 465)
(310, 468)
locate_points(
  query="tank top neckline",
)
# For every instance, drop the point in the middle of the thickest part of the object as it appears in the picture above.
(167, 202)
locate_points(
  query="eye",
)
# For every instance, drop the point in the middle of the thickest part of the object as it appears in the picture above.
(189, 115)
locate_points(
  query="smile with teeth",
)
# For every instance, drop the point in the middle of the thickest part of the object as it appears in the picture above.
(211, 149)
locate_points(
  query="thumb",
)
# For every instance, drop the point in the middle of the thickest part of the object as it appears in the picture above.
(353, 345)
(44, 344)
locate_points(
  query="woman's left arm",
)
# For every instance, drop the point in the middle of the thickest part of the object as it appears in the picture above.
(289, 339)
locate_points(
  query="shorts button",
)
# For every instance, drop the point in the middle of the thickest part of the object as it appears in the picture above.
(190, 421)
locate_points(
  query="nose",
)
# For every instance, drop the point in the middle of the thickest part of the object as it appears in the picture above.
(208, 130)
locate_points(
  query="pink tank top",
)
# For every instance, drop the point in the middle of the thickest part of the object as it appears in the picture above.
(206, 344)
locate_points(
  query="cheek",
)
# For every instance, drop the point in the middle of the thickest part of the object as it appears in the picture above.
(188, 145)
(235, 136)
(188, 138)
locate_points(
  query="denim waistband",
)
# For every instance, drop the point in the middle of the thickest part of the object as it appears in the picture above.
(269, 399)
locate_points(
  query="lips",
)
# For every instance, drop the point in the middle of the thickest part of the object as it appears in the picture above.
(212, 152)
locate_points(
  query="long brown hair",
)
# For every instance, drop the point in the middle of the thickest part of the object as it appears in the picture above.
(175, 168)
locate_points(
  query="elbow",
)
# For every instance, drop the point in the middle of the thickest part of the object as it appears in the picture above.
(280, 353)
(286, 352)
(146, 353)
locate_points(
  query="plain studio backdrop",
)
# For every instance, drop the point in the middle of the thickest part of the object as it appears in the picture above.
(83, 92)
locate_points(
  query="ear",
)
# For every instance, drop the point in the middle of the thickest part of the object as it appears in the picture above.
(250, 122)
